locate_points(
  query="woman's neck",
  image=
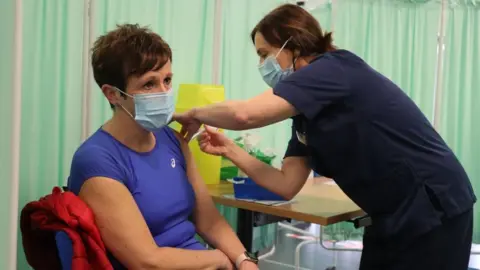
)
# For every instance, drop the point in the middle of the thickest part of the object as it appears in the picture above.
(123, 128)
(303, 61)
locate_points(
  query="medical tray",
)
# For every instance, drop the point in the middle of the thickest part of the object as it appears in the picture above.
(251, 191)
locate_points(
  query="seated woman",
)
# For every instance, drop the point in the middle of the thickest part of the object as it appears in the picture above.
(138, 176)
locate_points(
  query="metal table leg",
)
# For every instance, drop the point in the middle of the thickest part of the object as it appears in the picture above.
(245, 228)
(247, 221)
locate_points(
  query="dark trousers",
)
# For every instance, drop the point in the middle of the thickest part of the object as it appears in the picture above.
(446, 247)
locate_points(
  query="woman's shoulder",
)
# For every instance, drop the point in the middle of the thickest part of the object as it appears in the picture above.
(99, 145)
(338, 57)
(96, 157)
(170, 137)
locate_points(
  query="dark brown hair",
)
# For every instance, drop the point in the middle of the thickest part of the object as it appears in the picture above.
(291, 21)
(129, 50)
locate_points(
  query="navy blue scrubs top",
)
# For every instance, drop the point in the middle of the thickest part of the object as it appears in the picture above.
(359, 128)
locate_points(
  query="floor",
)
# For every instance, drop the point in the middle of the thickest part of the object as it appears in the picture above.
(313, 257)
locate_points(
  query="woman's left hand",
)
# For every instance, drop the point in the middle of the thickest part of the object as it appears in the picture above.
(247, 265)
(190, 125)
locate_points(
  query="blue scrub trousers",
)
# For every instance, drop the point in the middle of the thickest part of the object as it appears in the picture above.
(446, 247)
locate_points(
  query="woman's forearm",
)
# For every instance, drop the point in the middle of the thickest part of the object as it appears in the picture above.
(263, 174)
(227, 115)
(182, 259)
(222, 237)
(259, 111)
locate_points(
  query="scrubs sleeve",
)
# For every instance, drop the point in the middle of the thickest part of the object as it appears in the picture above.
(295, 148)
(314, 87)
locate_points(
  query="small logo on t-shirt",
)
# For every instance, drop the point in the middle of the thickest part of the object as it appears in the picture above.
(173, 163)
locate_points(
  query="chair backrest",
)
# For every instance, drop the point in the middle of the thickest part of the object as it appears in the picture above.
(64, 249)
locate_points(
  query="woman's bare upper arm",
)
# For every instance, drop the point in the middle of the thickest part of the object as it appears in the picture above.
(122, 226)
(267, 108)
(205, 211)
(296, 170)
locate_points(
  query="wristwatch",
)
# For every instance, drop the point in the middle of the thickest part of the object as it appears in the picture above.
(246, 256)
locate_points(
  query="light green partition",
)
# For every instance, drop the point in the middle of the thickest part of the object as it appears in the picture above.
(398, 38)
(460, 110)
(7, 10)
(51, 97)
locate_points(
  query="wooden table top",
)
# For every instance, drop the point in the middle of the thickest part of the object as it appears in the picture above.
(320, 203)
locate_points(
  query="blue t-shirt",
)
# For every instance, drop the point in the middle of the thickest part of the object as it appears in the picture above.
(359, 128)
(157, 181)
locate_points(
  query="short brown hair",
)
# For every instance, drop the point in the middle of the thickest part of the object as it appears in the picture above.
(129, 50)
(291, 21)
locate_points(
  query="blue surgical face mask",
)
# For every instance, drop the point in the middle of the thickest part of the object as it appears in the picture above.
(271, 71)
(152, 110)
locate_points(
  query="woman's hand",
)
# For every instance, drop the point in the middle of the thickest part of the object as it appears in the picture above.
(224, 261)
(247, 265)
(190, 125)
(213, 142)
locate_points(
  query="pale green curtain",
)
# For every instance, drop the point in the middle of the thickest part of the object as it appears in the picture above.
(398, 38)
(323, 14)
(186, 25)
(51, 97)
(7, 10)
(460, 110)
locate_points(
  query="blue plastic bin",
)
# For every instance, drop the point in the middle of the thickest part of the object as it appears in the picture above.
(250, 190)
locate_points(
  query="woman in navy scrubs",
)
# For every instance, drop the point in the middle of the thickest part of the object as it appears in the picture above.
(354, 125)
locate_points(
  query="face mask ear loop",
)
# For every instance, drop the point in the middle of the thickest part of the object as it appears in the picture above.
(128, 95)
(125, 110)
(121, 106)
(283, 46)
(118, 89)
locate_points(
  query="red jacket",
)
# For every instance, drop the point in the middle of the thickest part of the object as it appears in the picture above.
(40, 220)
